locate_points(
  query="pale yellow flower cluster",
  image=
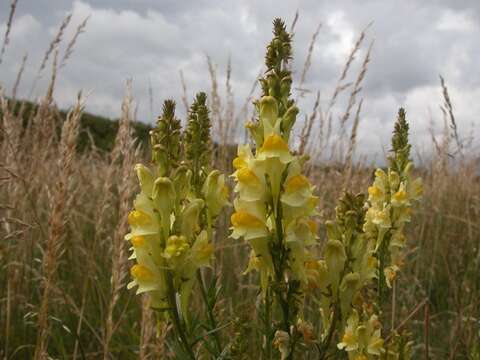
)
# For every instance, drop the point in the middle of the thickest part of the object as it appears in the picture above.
(275, 201)
(168, 243)
(390, 201)
(349, 265)
(362, 338)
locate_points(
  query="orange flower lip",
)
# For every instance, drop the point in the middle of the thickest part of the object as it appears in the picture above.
(138, 218)
(137, 241)
(243, 218)
(246, 175)
(141, 272)
(274, 142)
(239, 163)
(296, 182)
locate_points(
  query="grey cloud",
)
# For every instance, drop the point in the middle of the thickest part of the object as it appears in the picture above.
(151, 41)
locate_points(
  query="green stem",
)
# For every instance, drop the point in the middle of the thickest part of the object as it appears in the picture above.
(268, 324)
(331, 330)
(282, 293)
(211, 317)
(177, 322)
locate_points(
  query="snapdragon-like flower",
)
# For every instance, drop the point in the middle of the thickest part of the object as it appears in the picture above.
(349, 266)
(390, 202)
(275, 200)
(170, 239)
(361, 338)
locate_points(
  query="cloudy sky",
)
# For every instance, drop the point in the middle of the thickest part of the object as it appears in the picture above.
(151, 41)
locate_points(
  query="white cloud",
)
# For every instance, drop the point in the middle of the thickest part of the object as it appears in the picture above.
(461, 21)
(153, 41)
(344, 37)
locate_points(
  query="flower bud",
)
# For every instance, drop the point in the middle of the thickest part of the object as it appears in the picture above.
(268, 110)
(164, 199)
(335, 257)
(182, 181)
(145, 177)
(285, 86)
(256, 131)
(289, 120)
(190, 217)
(215, 192)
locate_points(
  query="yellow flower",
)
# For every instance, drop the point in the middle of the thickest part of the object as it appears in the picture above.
(275, 147)
(400, 198)
(302, 231)
(402, 215)
(137, 218)
(375, 194)
(141, 273)
(176, 246)
(215, 192)
(244, 219)
(415, 189)
(335, 258)
(256, 130)
(297, 197)
(393, 179)
(375, 344)
(142, 220)
(390, 274)
(250, 182)
(202, 250)
(145, 177)
(369, 269)
(247, 176)
(398, 239)
(261, 260)
(281, 341)
(317, 274)
(239, 163)
(381, 218)
(138, 241)
(247, 225)
(190, 215)
(361, 338)
(146, 248)
(244, 156)
(268, 110)
(196, 257)
(298, 191)
(146, 277)
(274, 154)
(348, 288)
(164, 199)
(296, 183)
(248, 220)
(350, 339)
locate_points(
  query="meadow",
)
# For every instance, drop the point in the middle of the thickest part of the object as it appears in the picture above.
(64, 214)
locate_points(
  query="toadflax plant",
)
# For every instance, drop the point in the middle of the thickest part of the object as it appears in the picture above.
(364, 251)
(273, 213)
(275, 200)
(343, 289)
(171, 224)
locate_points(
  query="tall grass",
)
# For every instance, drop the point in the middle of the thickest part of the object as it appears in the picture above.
(62, 220)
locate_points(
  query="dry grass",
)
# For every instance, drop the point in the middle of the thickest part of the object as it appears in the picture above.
(62, 220)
